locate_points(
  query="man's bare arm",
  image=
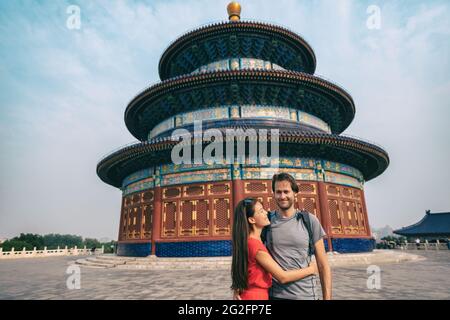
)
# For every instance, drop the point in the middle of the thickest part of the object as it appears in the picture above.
(324, 269)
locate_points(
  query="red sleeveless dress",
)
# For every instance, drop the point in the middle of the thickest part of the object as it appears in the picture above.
(259, 280)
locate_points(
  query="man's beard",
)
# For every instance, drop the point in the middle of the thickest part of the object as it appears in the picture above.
(287, 204)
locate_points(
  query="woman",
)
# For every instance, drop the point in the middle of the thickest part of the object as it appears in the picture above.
(252, 266)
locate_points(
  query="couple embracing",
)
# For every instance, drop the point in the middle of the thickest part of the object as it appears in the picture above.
(272, 252)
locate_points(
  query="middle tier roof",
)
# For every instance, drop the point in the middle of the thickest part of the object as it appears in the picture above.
(298, 90)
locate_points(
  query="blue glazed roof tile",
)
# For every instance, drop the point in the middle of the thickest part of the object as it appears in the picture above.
(431, 224)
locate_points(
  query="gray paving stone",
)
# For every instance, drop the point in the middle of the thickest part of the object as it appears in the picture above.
(45, 278)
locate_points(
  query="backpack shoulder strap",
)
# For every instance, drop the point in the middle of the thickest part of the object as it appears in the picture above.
(304, 215)
(266, 229)
(271, 214)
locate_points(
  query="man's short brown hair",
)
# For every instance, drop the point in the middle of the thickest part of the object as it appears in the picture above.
(284, 177)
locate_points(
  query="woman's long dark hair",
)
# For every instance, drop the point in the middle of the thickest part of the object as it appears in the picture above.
(241, 229)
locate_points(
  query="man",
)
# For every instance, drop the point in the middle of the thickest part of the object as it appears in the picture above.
(288, 243)
(418, 243)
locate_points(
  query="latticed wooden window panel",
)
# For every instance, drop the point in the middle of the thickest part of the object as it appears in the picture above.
(169, 193)
(271, 204)
(307, 188)
(187, 219)
(268, 202)
(355, 216)
(347, 208)
(123, 229)
(192, 191)
(147, 221)
(332, 190)
(194, 218)
(362, 223)
(357, 220)
(125, 217)
(169, 223)
(256, 187)
(123, 233)
(310, 205)
(352, 211)
(130, 228)
(128, 201)
(221, 213)
(335, 217)
(136, 228)
(347, 217)
(219, 189)
(344, 214)
(202, 218)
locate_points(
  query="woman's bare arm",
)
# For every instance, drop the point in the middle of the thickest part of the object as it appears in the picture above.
(283, 276)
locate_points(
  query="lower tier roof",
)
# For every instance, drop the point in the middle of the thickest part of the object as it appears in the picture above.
(370, 159)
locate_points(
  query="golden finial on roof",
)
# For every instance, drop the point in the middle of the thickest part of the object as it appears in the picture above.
(234, 11)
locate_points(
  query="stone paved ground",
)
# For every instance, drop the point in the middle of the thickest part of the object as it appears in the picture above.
(45, 278)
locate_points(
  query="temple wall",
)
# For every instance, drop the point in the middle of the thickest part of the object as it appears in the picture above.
(186, 211)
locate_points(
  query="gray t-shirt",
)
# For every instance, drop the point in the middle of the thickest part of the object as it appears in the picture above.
(287, 242)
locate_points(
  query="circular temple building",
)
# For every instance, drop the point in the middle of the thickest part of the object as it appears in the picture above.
(239, 75)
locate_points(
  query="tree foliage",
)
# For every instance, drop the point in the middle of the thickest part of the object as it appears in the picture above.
(51, 241)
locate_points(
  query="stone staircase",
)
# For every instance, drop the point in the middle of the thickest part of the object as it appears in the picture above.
(156, 263)
(103, 261)
(224, 263)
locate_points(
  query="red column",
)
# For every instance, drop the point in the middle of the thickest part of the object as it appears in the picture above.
(324, 212)
(238, 192)
(157, 212)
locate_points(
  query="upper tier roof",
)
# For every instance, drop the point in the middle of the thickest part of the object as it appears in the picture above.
(233, 39)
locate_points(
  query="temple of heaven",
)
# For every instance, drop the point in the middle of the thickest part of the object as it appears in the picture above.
(238, 75)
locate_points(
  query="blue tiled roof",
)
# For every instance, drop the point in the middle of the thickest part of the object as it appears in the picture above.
(431, 224)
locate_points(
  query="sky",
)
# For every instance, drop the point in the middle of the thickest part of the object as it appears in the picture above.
(63, 93)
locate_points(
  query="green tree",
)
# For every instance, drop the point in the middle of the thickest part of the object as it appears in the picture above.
(396, 239)
(52, 241)
(91, 243)
(108, 246)
(16, 244)
(34, 240)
